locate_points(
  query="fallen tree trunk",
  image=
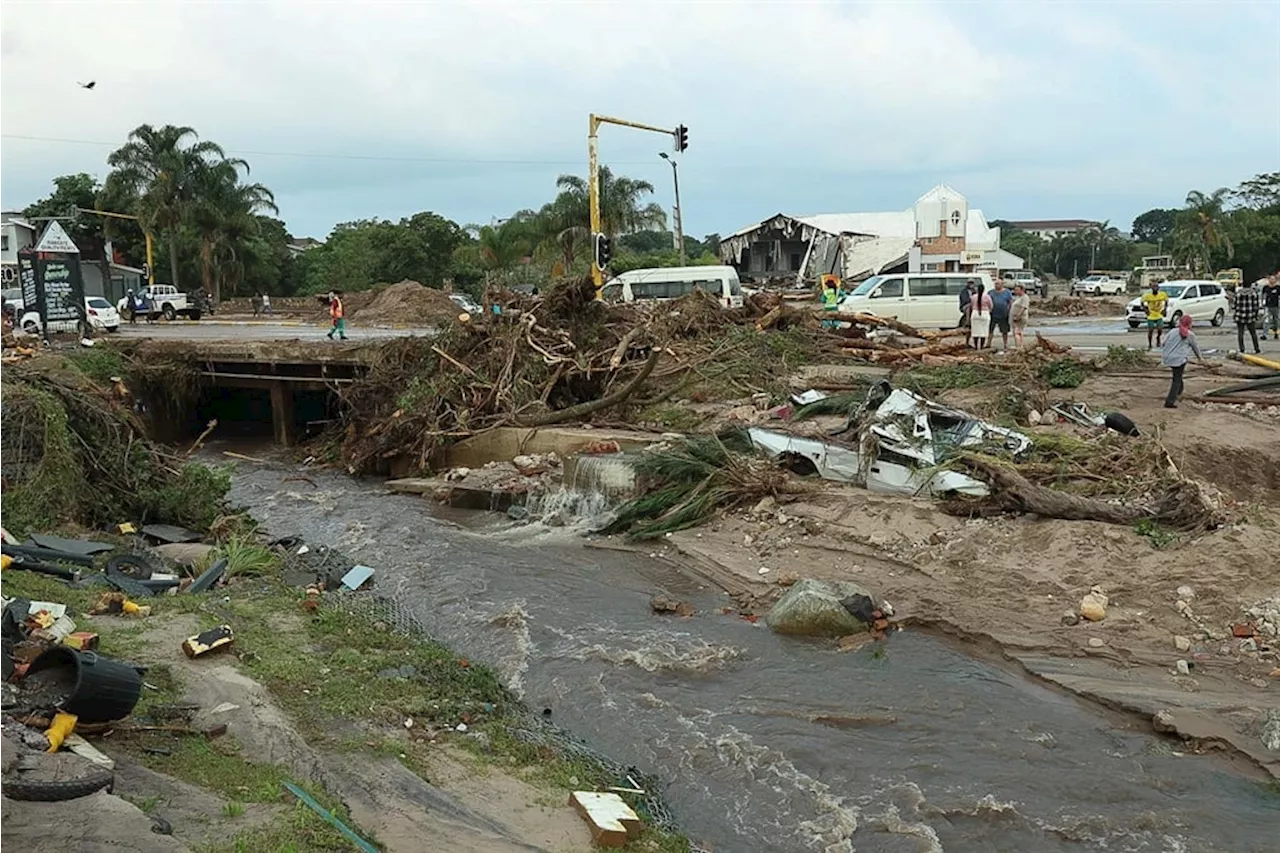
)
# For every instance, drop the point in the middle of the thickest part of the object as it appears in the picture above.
(592, 406)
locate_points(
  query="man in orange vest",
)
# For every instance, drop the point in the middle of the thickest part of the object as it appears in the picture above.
(336, 315)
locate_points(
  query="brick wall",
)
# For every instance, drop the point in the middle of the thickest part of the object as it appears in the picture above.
(942, 245)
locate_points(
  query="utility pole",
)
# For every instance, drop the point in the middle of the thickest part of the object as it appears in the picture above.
(151, 267)
(678, 212)
(681, 136)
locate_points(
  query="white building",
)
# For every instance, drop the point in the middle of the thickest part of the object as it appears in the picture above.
(940, 232)
(16, 234)
(1047, 229)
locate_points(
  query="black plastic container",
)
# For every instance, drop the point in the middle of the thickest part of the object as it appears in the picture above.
(103, 689)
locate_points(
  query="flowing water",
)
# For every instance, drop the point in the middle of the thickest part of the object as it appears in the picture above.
(768, 743)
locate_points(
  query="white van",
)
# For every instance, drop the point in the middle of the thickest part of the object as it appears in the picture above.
(926, 300)
(674, 282)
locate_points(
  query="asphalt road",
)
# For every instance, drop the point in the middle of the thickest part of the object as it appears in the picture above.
(1087, 334)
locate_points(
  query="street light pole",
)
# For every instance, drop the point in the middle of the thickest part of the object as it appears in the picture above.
(679, 211)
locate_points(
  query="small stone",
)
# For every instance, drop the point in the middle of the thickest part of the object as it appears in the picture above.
(1182, 644)
(1183, 607)
(1034, 418)
(461, 727)
(1186, 593)
(1096, 643)
(1094, 607)
(765, 506)
(1070, 618)
(1249, 645)
(748, 540)
(936, 538)
(1183, 667)
(764, 570)
(1162, 721)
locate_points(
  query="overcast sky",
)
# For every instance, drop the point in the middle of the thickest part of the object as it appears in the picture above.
(1095, 110)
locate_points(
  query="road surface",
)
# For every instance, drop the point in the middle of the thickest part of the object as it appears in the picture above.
(1085, 334)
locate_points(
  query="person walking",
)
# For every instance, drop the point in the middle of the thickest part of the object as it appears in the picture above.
(336, 315)
(1175, 353)
(1001, 300)
(1019, 312)
(979, 317)
(1156, 302)
(1248, 306)
(1271, 301)
(266, 304)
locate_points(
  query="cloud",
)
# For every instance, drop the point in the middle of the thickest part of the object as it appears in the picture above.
(791, 106)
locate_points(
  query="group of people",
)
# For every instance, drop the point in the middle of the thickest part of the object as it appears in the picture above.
(1247, 304)
(984, 312)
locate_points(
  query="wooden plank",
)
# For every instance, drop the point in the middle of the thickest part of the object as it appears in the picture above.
(611, 820)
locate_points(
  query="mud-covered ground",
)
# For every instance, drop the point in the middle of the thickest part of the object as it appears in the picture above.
(1009, 583)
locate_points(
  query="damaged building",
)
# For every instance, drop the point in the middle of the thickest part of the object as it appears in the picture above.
(939, 233)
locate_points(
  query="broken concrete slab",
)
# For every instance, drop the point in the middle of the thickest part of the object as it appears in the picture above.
(101, 821)
(613, 823)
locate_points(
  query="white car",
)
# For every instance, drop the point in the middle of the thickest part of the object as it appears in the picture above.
(466, 303)
(1205, 301)
(1099, 285)
(101, 316)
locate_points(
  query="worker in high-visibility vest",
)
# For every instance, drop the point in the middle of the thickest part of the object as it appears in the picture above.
(337, 315)
(832, 295)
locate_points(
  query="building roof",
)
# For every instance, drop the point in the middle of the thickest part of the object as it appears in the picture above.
(16, 219)
(1051, 224)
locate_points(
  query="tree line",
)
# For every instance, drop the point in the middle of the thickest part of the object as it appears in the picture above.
(1212, 231)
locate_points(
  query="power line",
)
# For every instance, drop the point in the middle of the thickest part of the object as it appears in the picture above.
(365, 157)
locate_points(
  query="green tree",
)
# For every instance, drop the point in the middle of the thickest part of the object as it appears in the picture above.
(360, 254)
(622, 207)
(224, 212)
(160, 166)
(69, 193)
(1260, 192)
(1200, 230)
(1154, 226)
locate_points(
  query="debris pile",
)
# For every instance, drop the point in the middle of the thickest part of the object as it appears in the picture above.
(1078, 306)
(408, 303)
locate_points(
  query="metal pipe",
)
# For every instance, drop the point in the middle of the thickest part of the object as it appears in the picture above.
(593, 200)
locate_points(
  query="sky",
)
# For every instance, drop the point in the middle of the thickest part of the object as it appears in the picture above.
(1033, 110)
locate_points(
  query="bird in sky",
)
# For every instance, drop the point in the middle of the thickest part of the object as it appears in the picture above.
(88, 85)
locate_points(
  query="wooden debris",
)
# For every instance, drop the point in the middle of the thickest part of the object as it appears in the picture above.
(208, 641)
(613, 823)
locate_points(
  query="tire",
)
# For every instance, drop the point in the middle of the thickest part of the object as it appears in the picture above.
(169, 313)
(16, 788)
(133, 566)
(1133, 324)
(111, 330)
(1219, 317)
(1121, 423)
(1173, 321)
(31, 328)
(193, 315)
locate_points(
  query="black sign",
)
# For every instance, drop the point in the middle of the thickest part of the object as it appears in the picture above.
(53, 288)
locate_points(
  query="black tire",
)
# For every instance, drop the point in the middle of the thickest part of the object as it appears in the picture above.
(1121, 423)
(17, 788)
(1133, 324)
(31, 328)
(193, 315)
(169, 313)
(133, 566)
(1173, 321)
(1219, 317)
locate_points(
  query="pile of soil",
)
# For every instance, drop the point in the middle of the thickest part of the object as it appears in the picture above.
(408, 303)
(1079, 306)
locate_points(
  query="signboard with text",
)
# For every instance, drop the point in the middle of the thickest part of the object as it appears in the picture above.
(51, 282)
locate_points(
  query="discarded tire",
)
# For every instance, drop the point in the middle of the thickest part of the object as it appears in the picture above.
(134, 566)
(31, 790)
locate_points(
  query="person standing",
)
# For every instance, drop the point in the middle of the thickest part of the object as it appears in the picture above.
(256, 302)
(1175, 353)
(1271, 300)
(979, 317)
(1019, 311)
(336, 315)
(1001, 300)
(266, 304)
(1157, 303)
(1247, 307)
(966, 302)
(832, 296)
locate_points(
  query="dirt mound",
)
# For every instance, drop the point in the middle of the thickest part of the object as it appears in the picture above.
(1078, 306)
(408, 303)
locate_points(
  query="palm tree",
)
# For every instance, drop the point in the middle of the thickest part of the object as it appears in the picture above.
(1201, 227)
(498, 248)
(225, 213)
(621, 210)
(159, 165)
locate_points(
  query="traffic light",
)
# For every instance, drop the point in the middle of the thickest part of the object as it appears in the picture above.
(682, 138)
(604, 251)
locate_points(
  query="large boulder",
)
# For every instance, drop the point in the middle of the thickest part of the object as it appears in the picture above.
(814, 608)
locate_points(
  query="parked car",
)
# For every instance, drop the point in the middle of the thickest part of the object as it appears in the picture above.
(13, 300)
(1099, 284)
(1029, 280)
(1204, 301)
(167, 300)
(926, 300)
(673, 282)
(1230, 278)
(466, 303)
(99, 311)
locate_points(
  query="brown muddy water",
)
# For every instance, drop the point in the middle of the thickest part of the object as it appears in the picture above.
(977, 758)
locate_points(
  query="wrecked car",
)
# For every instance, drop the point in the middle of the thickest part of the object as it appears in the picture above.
(896, 442)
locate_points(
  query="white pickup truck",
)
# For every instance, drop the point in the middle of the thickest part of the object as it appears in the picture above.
(165, 300)
(1099, 284)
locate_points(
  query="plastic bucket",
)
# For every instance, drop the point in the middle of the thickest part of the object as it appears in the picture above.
(102, 689)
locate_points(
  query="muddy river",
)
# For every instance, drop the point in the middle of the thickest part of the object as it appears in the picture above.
(956, 754)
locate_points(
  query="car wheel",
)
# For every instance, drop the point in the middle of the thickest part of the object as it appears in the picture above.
(193, 315)
(1173, 321)
(1133, 324)
(169, 313)
(1219, 317)
(111, 330)
(31, 328)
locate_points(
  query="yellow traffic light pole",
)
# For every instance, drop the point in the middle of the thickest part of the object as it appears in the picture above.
(151, 267)
(593, 181)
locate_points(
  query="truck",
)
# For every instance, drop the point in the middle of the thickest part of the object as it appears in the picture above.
(1028, 279)
(166, 299)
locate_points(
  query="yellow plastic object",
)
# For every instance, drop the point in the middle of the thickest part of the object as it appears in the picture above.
(131, 609)
(63, 724)
(1260, 361)
(5, 561)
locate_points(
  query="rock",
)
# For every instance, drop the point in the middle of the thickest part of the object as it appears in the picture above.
(524, 461)
(1096, 643)
(812, 608)
(1163, 722)
(1070, 618)
(765, 506)
(1186, 593)
(1094, 607)
(185, 553)
(1034, 418)
(1271, 731)
(1183, 667)
(1183, 607)
(458, 474)
(1182, 644)
(787, 579)
(1249, 645)
(517, 512)
(662, 604)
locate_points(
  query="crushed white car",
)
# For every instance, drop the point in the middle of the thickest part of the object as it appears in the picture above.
(902, 439)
